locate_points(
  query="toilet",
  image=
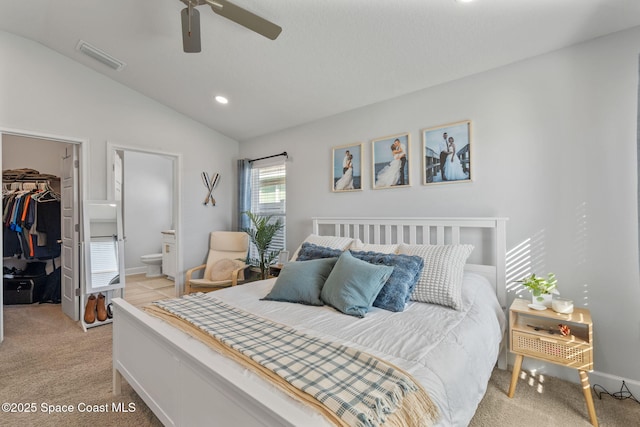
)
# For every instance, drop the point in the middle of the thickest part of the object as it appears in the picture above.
(153, 263)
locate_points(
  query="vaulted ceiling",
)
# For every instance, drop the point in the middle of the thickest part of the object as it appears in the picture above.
(332, 55)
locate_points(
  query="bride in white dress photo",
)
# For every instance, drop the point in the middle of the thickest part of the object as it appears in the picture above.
(447, 153)
(346, 180)
(390, 174)
(347, 168)
(452, 167)
(393, 173)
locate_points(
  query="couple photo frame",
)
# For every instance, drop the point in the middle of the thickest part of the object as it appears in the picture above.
(446, 158)
(446, 153)
(347, 168)
(391, 161)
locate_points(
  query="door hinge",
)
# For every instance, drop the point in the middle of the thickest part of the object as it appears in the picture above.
(76, 164)
(76, 228)
(78, 292)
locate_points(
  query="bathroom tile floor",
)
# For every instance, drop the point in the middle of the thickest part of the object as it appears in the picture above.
(140, 290)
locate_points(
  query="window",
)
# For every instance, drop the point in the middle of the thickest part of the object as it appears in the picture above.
(104, 260)
(268, 197)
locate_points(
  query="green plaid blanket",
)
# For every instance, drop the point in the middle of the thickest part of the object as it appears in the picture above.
(361, 390)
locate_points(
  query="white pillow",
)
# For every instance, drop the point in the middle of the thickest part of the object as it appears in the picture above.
(357, 245)
(333, 242)
(440, 281)
(222, 269)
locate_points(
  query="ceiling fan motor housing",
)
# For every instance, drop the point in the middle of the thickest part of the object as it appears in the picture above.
(226, 9)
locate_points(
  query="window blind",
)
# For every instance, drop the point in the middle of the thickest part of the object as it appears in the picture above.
(104, 260)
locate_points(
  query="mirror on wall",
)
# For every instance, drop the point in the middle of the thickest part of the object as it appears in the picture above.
(103, 245)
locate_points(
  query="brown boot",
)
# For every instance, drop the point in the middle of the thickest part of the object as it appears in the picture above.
(101, 308)
(90, 310)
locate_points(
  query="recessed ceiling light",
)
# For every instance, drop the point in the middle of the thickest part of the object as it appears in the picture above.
(464, 1)
(221, 99)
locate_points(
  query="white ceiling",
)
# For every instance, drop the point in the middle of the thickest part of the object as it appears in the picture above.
(332, 55)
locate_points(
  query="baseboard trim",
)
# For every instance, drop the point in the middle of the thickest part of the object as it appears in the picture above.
(135, 270)
(611, 383)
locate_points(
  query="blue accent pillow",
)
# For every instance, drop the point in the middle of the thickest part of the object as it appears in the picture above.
(302, 281)
(396, 292)
(312, 251)
(353, 285)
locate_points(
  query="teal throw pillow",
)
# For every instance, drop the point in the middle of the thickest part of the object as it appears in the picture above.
(301, 281)
(353, 285)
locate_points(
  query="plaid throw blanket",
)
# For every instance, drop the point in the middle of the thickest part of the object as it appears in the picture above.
(348, 386)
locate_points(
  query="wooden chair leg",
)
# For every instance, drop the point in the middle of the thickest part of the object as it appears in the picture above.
(515, 374)
(586, 389)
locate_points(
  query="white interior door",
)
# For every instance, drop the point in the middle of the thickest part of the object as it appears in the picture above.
(117, 175)
(118, 183)
(70, 234)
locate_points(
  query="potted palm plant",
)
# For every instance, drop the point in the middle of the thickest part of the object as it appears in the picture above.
(541, 288)
(261, 234)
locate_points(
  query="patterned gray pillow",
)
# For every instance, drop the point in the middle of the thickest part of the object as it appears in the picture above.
(441, 279)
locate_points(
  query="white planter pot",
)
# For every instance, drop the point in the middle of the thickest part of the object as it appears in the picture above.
(544, 299)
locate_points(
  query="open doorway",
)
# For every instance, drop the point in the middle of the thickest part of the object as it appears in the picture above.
(145, 183)
(43, 171)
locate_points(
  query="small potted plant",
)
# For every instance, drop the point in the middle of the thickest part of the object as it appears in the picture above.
(541, 288)
(261, 233)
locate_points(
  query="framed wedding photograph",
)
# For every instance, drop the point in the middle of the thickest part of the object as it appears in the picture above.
(347, 168)
(446, 153)
(390, 161)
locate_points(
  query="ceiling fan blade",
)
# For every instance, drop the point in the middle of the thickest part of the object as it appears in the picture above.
(190, 30)
(245, 18)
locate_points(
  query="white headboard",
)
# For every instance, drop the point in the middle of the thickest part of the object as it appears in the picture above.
(487, 235)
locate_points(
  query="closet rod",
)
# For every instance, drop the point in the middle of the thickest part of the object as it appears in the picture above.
(36, 180)
(284, 153)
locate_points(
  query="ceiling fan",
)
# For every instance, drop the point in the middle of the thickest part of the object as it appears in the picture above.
(191, 21)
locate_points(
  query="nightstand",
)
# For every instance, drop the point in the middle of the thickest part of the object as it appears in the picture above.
(529, 336)
(274, 270)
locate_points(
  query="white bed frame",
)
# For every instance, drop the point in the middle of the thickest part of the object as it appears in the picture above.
(185, 383)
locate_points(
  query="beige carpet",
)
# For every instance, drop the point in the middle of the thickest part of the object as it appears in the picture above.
(549, 402)
(47, 358)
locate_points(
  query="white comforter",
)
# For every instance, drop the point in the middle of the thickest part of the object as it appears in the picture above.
(451, 353)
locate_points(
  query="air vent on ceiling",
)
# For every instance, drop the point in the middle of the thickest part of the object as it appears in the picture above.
(100, 55)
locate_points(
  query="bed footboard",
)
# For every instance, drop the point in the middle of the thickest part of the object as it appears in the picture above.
(185, 383)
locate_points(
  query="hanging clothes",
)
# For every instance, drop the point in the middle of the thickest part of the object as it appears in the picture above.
(31, 220)
(48, 223)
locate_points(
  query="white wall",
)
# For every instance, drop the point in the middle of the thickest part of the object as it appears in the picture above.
(33, 153)
(148, 197)
(45, 92)
(554, 150)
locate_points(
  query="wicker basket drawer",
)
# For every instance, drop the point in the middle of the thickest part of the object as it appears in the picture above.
(553, 349)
